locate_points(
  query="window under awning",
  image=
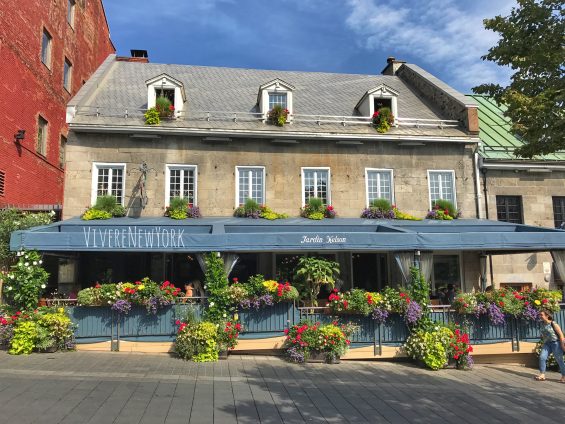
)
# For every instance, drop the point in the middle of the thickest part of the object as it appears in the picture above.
(294, 234)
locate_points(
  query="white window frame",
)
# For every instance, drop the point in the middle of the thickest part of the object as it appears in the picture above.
(278, 93)
(249, 167)
(171, 166)
(100, 165)
(67, 74)
(41, 145)
(329, 188)
(437, 171)
(46, 58)
(367, 170)
(71, 10)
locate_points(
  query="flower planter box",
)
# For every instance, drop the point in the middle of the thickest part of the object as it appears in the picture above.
(223, 354)
(317, 357)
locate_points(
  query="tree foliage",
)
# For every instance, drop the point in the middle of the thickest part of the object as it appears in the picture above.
(532, 43)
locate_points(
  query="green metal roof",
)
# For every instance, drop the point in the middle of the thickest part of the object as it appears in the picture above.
(498, 142)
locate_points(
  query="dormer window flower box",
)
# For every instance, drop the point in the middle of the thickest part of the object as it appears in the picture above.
(278, 116)
(166, 99)
(382, 120)
(165, 108)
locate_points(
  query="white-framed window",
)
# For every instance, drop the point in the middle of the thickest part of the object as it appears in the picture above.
(46, 48)
(442, 186)
(316, 183)
(108, 179)
(41, 142)
(379, 184)
(181, 182)
(67, 74)
(249, 184)
(71, 12)
(277, 99)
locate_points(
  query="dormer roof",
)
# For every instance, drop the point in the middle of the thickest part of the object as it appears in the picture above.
(167, 80)
(380, 90)
(276, 83)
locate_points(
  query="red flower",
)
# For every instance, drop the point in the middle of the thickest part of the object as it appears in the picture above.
(138, 282)
(286, 331)
(544, 301)
(526, 303)
(171, 108)
(18, 313)
(502, 294)
(445, 211)
(345, 303)
(166, 283)
(330, 208)
(97, 286)
(501, 303)
(177, 322)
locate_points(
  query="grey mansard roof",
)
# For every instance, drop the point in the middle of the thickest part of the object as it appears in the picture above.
(118, 86)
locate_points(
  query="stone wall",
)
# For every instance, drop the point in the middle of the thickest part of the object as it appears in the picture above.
(216, 171)
(536, 190)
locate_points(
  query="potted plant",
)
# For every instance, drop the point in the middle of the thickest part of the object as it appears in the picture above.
(180, 209)
(379, 209)
(228, 334)
(105, 207)
(278, 115)
(315, 209)
(165, 107)
(315, 272)
(443, 210)
(382, 119)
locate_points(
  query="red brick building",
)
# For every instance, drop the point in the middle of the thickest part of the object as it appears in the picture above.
(48, 49)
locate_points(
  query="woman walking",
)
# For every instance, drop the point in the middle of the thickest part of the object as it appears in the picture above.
(553, 342)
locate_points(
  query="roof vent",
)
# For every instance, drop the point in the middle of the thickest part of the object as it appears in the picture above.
(136, 56)
(139, 53)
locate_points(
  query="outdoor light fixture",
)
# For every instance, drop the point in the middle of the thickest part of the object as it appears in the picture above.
(19, 136)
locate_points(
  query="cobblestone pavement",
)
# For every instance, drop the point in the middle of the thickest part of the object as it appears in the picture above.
(83, 387)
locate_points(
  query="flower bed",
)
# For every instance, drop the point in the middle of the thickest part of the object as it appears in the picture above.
(42, 330)
(258, 292)
(315, 209)
(181, 209)
(497, 304)
(306, 339)
(122, 296)
(251, 209)
(105, 207)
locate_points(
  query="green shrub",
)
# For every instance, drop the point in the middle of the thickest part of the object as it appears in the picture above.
(177, 208)
(119, 211)
(197, 341)
(105, 203)
(26, 281)
(91, 214)
(383, 119)
(25, 336)
(152, 117)
(316, 204)
(44, 339)
(216, 283)
(382, 204)
(254, 285)
(430, 347)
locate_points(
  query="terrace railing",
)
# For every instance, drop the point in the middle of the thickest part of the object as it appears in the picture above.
(99, 324)
(239, 116)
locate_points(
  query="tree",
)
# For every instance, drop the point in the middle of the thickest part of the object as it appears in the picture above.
(315, 272)
(532, 44)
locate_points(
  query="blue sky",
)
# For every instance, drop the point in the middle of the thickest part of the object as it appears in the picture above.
(445, 37)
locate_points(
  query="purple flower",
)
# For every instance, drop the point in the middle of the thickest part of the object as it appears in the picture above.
(413, 313)
(156, 302)
(245, 303)
(193, 212)
(377, 213)
(121, 306)
(530, 313)
(480, 309)
(380, 315)
(495, 315)
(295, 355)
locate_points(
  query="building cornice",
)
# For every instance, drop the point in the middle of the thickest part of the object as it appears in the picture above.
(199, 132)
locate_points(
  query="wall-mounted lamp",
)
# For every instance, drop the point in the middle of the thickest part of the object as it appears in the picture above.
(19, 136)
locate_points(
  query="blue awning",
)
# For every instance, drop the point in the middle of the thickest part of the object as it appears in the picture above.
(294, 234)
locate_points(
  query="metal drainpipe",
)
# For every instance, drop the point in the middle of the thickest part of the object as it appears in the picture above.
(485, 192)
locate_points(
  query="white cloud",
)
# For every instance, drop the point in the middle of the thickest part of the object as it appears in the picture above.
(441, 33)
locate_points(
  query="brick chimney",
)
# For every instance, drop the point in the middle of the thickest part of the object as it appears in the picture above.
(392, 66)
(139, 56)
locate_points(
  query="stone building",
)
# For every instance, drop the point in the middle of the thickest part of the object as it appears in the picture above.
(47, 52)
(520, 191)
(220, 148)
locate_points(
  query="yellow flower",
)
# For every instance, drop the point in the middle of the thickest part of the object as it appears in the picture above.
(271, 285)
(537, 302)
(61, 310)
(140, 287)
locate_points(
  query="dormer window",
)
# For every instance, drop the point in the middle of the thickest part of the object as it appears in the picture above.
(277, 99)
(377, 98)
(166, 86)
(275, 93)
